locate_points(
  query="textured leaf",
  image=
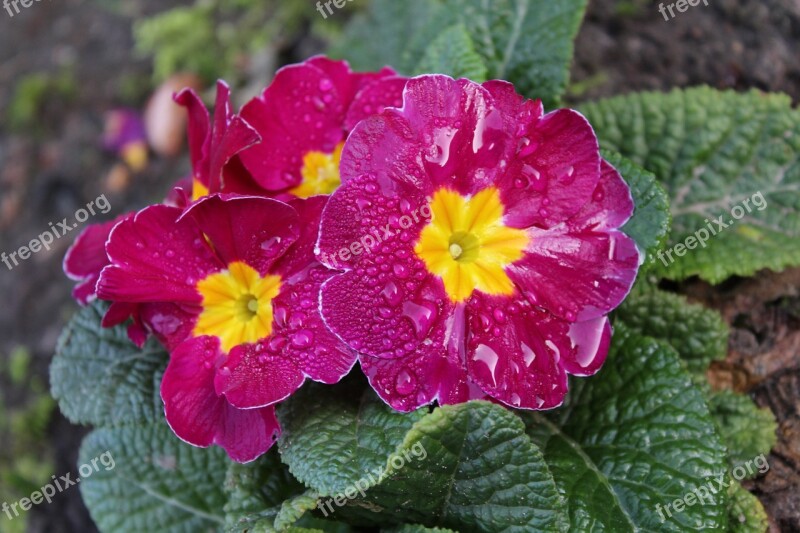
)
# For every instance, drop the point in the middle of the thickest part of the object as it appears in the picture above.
(334, 437)
(408, 528)
(478, 469)
(256, 491)
(294, 508)
(745, 512)
(158, 483)
(527, 42)
(99, 377)
(405, 29)
(453, 53)
(650, 223)
(637, 435)
(713, 151)
(747, 430)
(697, 333)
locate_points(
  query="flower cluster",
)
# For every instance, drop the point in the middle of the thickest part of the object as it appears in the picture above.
(500, 290)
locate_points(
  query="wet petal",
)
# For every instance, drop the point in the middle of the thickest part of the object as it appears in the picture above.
(515, 352)
(155, 258)
(87, 257)
(200, 417)
(555, 171)
(241, 228)
(577, 276)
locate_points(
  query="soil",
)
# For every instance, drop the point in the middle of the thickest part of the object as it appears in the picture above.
(49, 173)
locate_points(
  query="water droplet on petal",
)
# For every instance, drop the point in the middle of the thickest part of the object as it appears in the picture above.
(297, 320)
(302, 339)
(406, 383)
(271, 246)
(488, 357)
(422, 316)
(391, 293)
(527, 354)
(400, 271)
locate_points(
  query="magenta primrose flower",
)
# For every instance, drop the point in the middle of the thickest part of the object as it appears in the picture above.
(480, 243)
(214, 145)
(231, 286)
(304, 117)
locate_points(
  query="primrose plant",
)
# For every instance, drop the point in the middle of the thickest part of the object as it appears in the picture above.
(372, 262)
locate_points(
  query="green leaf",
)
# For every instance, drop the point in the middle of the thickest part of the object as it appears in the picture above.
(745, 512)
(334, 437)
(158, 483)
(717, 154)
(294, 508)
(636, 436)
(257, 490)
(747, 430)
(527, 42)
(405, 28)
(479, 470)
(99, 377)
(650, 223)
(453, 53)
(408, 528)
(697, 333)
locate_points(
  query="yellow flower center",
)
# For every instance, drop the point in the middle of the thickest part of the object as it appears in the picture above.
(320, 173)
(467, 245)
(198, 190)
(237, 305)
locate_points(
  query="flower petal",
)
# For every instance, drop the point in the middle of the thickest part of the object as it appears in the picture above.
(198, 416)
(514, 351)
(301, 111)
(374, 98)
(87, 257)
(554, 173)
(611, 205)
(576, 276)
(246, 228)
(592, 340)
(156, 257)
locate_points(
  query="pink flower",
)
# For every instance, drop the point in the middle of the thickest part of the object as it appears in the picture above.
(230, 286)
(303, 119)
(214, 148)
(494, 254)
(125, 135)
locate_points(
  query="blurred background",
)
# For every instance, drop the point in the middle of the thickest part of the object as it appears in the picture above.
(85, 110)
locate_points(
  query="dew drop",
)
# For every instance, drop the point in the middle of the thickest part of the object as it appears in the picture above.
(422, 316)
(488, 357)
(406, 383)
(303, 339)
(400, 271)
(527, 354)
